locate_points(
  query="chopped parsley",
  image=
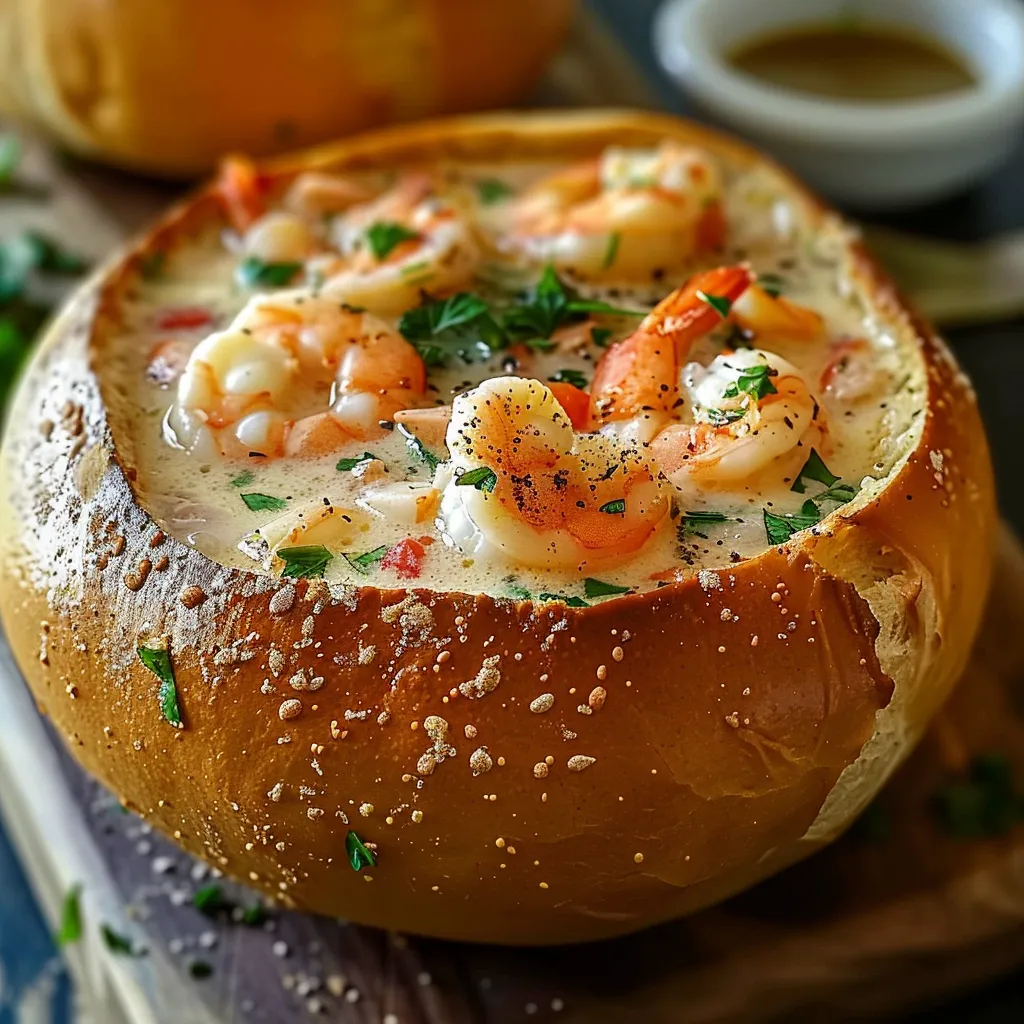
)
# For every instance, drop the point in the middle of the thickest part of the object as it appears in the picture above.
(721, 304)
(359, 854)
(157, 658)
(780, 528)
(385, 236)
(459, 327)
(614, 508)
(814, 469)
(984, 804)
(364, 562)
(70, 918)
(612, 251)
(253, 272)
(307, 561)
(599, 588)
(693, 520)
(483, 479)
(10, 154)
(50, 257)
(209, 899)
(418, 448)
(694, 524)
(771, 284)
(253, 915)
(199, 969)
(515, 589)
(26, 262)
(573, 377)
(243, 479)
(10, 157)
(493, 190)
(257, 502)
(117, 943)
(754, 380)
(540, 344)
(549, 305)
(30, 253)
(600, 336)
(466, 327)
(347, 465)
(723, 417)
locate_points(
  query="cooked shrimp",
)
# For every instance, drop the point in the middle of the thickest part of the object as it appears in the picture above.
(279, 237)
(774, 318)
(752, 408)
(430, 425)
(631, 214)
(392, 248)
(635, 388)
(540, 495)
(257, 386)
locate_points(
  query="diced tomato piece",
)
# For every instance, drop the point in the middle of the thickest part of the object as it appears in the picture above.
(575, 402)
(183, 318)
(242, 191)
(406, 558)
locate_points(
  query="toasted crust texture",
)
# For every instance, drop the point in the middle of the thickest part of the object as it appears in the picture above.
(528, 775)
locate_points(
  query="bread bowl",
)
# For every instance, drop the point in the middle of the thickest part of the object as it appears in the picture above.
(596, 727)
(111, 79)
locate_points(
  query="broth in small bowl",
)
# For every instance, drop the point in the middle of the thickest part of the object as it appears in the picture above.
(880, 104)
(870, 63)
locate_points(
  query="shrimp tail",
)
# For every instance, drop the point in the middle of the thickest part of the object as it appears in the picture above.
(639, 375)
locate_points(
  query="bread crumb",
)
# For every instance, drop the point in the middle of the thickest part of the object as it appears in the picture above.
(282, 601)
(485, 681)
(290, 708)
(545, 702)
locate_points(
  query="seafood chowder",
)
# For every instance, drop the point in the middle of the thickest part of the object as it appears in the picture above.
(532, 381)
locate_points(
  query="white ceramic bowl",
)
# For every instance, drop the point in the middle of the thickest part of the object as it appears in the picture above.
(868, 155)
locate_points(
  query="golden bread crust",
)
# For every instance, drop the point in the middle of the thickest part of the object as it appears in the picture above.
(700, 736)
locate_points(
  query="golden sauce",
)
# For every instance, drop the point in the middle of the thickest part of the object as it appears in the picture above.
(874, 63)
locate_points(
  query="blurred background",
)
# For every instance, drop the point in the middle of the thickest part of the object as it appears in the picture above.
(110, 107)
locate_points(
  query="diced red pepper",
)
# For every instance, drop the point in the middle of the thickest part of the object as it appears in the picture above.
(406, 558)
(575, 402)
(183, 318)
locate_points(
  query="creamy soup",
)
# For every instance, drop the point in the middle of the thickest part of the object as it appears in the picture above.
(451, 378)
